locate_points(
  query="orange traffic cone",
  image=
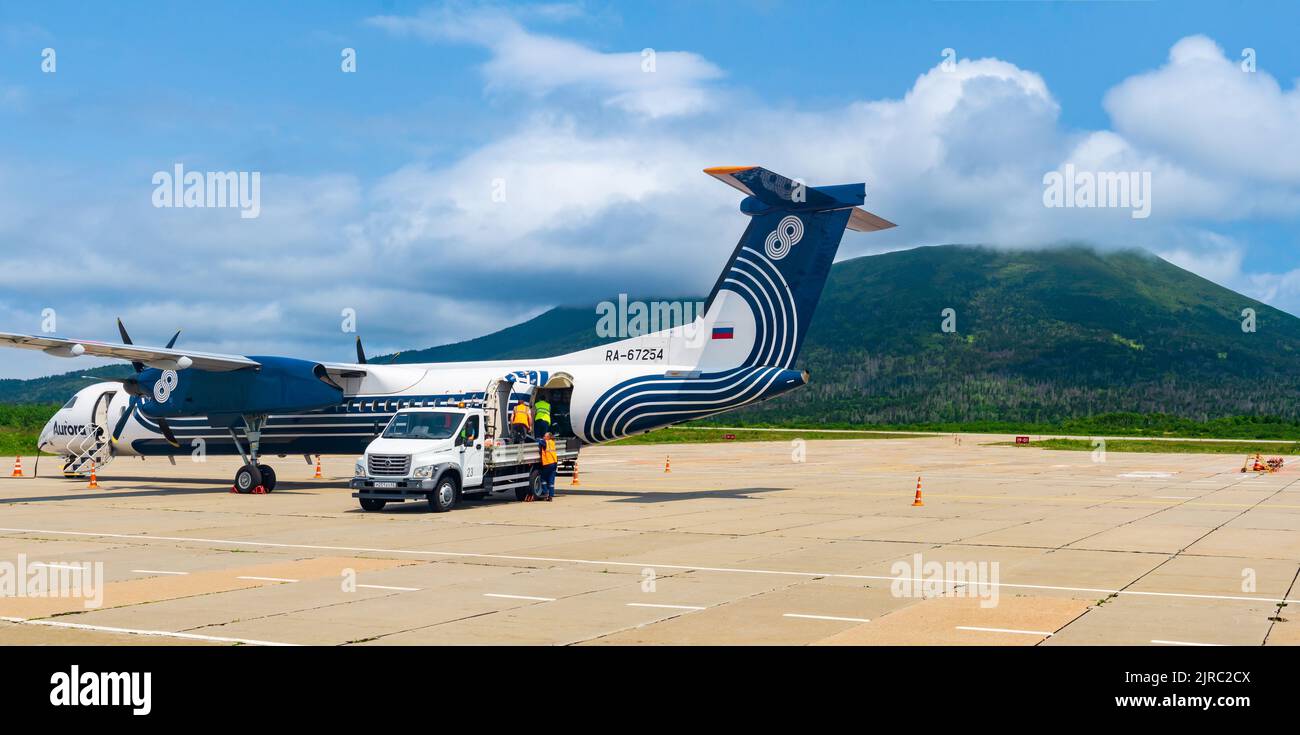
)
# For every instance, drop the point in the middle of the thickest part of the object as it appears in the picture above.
(94, 481)
(916, 503)
(18, 467)
(574, 481)
(318, 475)
(668, 464)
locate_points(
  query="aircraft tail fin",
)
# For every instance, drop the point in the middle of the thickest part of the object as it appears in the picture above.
(762, 304)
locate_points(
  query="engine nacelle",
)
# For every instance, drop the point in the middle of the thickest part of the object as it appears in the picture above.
(280, 385)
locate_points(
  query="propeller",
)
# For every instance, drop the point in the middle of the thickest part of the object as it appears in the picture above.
(132, 387)
(361, 354)
(126, 339)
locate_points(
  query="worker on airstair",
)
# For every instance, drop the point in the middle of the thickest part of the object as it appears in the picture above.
(543, 419)
(521, 422)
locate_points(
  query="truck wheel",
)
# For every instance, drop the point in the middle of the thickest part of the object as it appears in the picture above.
(534, 486)
(443, 497)
(372, 504)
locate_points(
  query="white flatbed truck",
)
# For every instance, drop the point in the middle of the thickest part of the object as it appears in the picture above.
(442, 454)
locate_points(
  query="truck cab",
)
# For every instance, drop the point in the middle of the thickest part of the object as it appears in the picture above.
(443, 454)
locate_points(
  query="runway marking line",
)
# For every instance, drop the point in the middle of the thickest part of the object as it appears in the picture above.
(666, 607)
(637, 565)
(1043, 633)
(156, 571)
(268, 579)
(519, 597)
(826, 617)
(386, 587)
(152, 633)
(1183, 643)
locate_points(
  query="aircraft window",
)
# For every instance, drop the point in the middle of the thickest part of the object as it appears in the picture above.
(71, 402)
(432, 425)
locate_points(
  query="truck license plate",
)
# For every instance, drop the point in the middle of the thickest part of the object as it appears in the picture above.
(385, 484)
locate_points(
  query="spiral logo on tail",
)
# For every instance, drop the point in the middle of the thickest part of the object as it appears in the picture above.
(786, 235)
(162, 389)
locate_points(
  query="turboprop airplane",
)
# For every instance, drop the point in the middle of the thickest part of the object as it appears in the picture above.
(740, 350)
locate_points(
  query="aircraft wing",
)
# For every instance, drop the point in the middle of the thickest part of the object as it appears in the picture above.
(161, 357)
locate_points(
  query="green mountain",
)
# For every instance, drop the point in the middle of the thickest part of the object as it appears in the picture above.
(555, 332)
(1041, 336)
(56, 388)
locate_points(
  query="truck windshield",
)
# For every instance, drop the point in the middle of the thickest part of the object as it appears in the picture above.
(423, 425)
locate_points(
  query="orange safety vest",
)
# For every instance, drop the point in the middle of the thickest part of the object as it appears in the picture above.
(522, 415)
(548, 453)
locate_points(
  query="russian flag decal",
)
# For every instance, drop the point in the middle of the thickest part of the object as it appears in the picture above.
(724, 332)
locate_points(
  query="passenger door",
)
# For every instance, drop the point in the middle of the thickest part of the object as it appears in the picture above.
(470, 445)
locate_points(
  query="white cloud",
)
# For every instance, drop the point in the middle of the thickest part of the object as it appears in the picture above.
(1202, 108)
(644, 81)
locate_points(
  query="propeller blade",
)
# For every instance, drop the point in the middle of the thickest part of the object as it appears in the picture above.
(126, 339)
(167, 432)
(172, 342)
(361, 353)
(126, 416)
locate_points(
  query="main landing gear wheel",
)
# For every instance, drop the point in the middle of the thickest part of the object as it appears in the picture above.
(443, 497)
(253, 477)
(268, 477)
(247, 479)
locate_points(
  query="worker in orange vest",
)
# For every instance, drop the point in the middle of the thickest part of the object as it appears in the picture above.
(549, 464)
(521, 422)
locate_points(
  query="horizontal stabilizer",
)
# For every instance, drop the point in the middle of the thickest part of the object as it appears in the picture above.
(772, 191)
(863, 221)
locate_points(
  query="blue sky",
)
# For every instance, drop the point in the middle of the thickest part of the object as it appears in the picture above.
(376, 184)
